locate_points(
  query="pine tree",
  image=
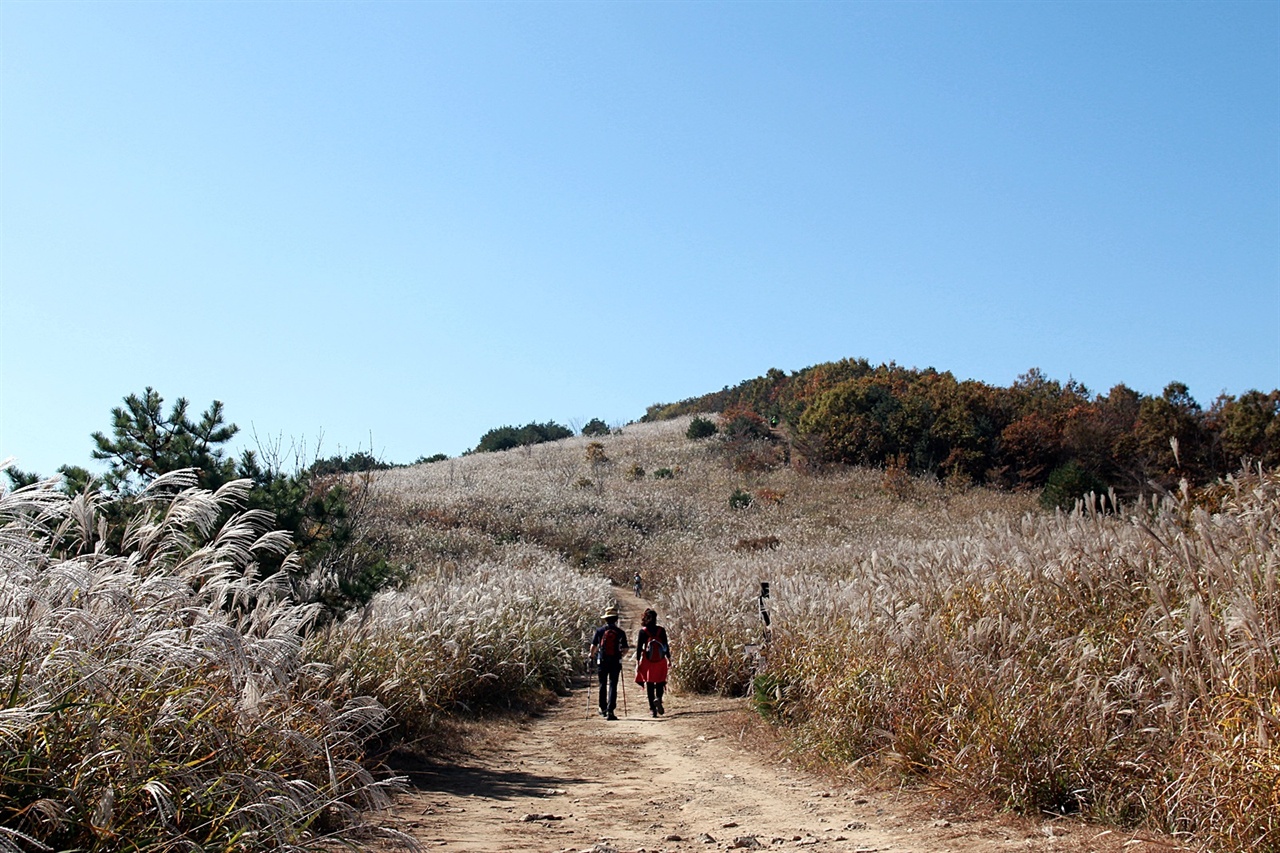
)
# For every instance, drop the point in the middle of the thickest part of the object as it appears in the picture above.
(147, 443)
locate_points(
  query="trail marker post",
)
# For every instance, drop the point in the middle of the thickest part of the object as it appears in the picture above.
(756, 652)
(764, 609)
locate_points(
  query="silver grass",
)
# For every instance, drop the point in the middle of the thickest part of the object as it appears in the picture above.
(9, 839)
(157, 621)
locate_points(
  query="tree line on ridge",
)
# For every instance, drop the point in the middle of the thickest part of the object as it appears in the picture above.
(1037, 433)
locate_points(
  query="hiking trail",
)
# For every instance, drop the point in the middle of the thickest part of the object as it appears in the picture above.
(697, 779)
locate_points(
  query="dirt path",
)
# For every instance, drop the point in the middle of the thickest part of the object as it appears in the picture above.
(569, 781)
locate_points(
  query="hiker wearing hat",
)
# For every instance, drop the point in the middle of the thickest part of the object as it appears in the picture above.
(652, 655)
(607, 648)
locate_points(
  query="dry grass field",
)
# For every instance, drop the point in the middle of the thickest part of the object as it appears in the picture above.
(1125, 667)
(1120, 667)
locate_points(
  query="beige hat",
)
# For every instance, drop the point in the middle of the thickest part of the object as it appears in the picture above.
(610, 611)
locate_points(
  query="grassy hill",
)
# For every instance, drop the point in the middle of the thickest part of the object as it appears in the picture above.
(1120, 665)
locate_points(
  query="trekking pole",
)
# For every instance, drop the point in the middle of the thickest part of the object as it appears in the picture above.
(623, 679)
(594, 679)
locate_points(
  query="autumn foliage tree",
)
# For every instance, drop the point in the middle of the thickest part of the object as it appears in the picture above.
(1032, 433)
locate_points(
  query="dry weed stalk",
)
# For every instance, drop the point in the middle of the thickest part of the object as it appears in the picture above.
(155, 692)
(499, 632)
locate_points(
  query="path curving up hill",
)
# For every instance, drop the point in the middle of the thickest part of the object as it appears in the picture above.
(568, 781)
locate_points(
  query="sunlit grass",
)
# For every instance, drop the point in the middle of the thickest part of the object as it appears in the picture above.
(155, 695)
(1124, 667)
(495, 635)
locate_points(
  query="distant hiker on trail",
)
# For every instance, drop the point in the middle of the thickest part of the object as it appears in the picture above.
(635, 581)
(652, 656)
(608, 645)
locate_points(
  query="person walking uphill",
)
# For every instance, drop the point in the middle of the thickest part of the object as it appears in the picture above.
(608, 645)
(653, 654)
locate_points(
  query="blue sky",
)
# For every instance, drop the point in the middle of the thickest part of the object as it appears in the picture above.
(393, 226)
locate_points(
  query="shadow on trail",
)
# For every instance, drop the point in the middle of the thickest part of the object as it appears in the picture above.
(467, 780)
(698, 712)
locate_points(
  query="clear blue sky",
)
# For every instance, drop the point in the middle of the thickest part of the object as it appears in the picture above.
(401, 224)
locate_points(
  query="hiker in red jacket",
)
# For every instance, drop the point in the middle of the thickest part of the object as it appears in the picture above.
(652, 656)
(607, 648)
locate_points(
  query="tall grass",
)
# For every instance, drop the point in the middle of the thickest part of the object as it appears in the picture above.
(155, 695)
(500, 634)
(1126, 668)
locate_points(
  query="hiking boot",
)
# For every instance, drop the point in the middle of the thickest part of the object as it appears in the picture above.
(611, 716)
(659, 709)
(653, 711)
(604, 712)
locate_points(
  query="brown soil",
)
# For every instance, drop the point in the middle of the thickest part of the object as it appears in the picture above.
(703, 777)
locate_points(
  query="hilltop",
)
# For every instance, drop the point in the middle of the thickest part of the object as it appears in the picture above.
(1038, 433)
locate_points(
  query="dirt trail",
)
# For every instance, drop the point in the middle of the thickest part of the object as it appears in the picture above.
(569, 781)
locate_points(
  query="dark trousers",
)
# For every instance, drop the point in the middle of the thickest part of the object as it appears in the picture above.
(655, 689)
(608, 673)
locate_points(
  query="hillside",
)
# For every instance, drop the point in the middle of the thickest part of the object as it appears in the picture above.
(655, 501)
(920, 629)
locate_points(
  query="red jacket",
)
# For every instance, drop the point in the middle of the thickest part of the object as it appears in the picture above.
(652, 665)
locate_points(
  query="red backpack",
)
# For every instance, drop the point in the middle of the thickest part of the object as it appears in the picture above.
(611, 642)
(654, 648)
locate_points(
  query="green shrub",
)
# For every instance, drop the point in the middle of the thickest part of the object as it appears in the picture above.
(700, 428)
(663, 474)
(352, 464)
(507, 437)
(739, 499)
(597, 555)
(766, 695)
(328, 518)
(595, 426)
(1067, 484)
